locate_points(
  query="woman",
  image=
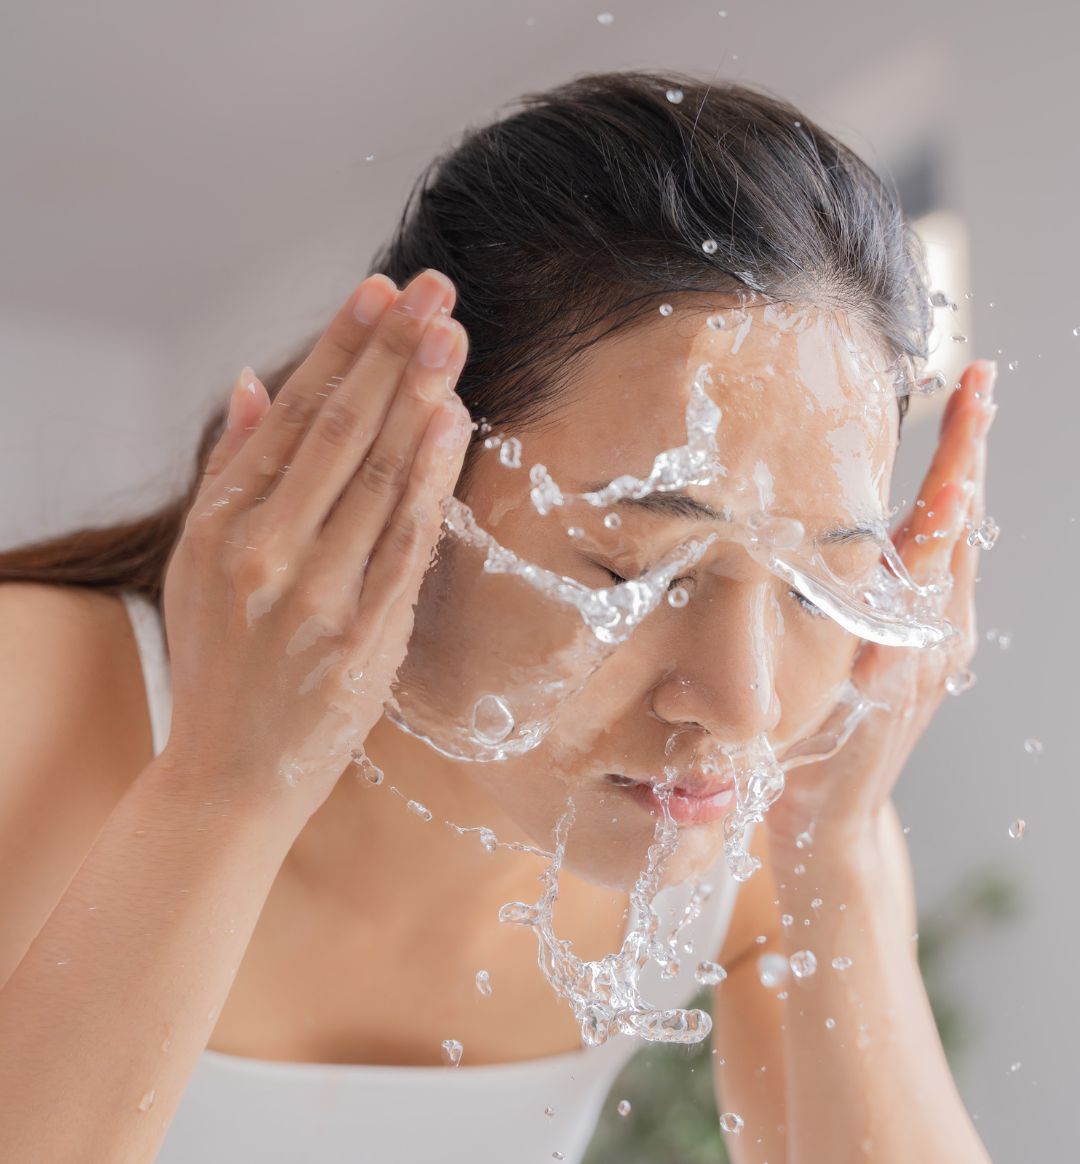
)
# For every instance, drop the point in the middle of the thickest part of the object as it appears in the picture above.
(217, 947)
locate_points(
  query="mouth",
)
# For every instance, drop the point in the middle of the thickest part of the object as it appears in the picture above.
(699, 803)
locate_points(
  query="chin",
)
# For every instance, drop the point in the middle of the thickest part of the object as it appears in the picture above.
(615, 855)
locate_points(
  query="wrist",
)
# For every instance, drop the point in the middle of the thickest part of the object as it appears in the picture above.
(219, 801)
(835, 860)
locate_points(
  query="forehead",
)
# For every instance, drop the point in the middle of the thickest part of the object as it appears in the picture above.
(809, 420)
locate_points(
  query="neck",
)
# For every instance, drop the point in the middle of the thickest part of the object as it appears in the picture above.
(364, 836)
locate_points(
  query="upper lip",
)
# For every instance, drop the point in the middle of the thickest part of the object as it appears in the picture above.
(694, 782)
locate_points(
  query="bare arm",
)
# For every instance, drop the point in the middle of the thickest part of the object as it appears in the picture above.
(749, 1019)
(866, 1074)
(104, 1018)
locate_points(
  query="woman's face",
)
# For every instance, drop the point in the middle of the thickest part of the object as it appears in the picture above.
(807, 431)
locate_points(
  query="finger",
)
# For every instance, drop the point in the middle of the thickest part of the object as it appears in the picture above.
(967, 418)
(343, 433)
(965, 559)
(928, 552)
(369, 499)
(264, 460)
(248, 404)
(391, 582)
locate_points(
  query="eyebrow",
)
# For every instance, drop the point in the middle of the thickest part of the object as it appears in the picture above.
(679, 504)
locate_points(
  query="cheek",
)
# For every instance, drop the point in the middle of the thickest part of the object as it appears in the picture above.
(812, 667)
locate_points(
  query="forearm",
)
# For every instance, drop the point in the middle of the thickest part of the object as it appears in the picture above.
(866, 1077)
(104, 1018)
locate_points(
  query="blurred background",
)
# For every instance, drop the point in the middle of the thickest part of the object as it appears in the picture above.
(189, 188)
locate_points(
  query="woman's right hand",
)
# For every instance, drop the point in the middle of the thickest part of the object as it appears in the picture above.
(289, 596)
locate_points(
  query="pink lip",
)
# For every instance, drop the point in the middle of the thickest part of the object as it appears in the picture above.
(685, 808)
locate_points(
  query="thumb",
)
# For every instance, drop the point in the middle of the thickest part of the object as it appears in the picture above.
(248, 404)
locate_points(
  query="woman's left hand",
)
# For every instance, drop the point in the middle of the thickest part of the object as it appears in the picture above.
(841, 797)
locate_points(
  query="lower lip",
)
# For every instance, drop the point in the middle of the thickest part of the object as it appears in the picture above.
(685, 809)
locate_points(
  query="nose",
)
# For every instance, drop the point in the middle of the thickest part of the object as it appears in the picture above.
(720, 671)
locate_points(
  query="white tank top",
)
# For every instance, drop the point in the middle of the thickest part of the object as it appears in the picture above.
(237, 1110)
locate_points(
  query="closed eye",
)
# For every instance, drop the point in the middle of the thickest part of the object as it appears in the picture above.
(801, 599)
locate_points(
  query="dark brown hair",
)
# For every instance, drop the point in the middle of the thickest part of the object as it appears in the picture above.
(584, 208)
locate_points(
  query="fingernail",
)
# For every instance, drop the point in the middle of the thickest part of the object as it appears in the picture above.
(989, 377)
(451, 424)
(424, 294)
(372, 301)
(243, 389)
(437, 344)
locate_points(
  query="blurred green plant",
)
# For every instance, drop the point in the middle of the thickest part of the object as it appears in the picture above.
(673, 1117)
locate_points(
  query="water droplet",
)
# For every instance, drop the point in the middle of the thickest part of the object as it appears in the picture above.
(1017, 829)
(939, 299)
(518, 913)
(366, 770)
(962, 681)
(710, 973)
(830, 1024)
(488, 840)
(928, 385)
(417, 809)
(1076, 331)
(1033, 747)
(623, 1107)
(510, 453)
(772, 970)
(841, 962)
(292, 772)
(147, 1101)
(1002, 638)
(451, 1050)
(483, 983)
(369, 158)
(492, 720)
(549, 1112)
(803, 840)
(1013, 365)
(666, 309)
(678, 597)
(612, 521)
(743, 866)
(799, 869)
(816, 903)
(557, 1155)
(715, 322)
(1014, 1068)
(575, 531)
(803, 963)
(797, 124)
(492, 442)
(709, 246)
(731, 1122)
(985, 536)
(603, 18)
(786, 919)
(675, 96)
(959, 339)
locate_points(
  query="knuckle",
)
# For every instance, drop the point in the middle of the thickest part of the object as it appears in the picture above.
(249, 572)
(294, 412)
(409, 533)
(383, 470)
(400, 337)
(339, 422)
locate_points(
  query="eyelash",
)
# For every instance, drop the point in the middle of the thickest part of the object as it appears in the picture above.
(802, 600)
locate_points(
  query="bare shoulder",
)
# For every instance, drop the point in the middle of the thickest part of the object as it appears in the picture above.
(755, 910)
(69, 661)
(74, 732)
